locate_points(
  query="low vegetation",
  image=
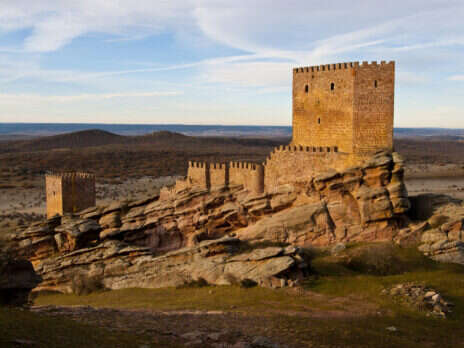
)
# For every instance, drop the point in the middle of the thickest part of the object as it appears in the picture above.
(340, 305)
(20, 328)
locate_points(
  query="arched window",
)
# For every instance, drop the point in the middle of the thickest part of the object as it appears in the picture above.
(319, 120)
(332, 86)
(375, 84)
(306, 88)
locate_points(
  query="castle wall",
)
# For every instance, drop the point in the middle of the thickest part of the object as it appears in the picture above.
(373, 108)
(53, 195)
(78, 192)
(219, 175)
(323, 116)
(198, 174)
(289, 164)
(250, 175)
(69, 193)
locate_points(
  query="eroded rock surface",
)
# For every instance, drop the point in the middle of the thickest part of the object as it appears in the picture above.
(221, 261)
(135, 244)
(444, 239)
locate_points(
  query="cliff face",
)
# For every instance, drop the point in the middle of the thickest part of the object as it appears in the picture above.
(360, 204)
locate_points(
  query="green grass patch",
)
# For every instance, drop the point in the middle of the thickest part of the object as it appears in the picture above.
(344, 306)
(48, 332)
(225, 298)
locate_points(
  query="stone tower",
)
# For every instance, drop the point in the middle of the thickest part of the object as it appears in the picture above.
(348, 106)
(69, 192)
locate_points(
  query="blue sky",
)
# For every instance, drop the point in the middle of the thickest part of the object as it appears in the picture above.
(219, 62)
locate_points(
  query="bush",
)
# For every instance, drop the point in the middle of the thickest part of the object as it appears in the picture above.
(198, 283)
(386, 259)
(248, 283)
(83, 285)
(372, 259)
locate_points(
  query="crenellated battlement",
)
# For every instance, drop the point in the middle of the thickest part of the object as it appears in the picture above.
(341, 66)
(195, 164)
(244, 165)
(70, 175)
(301, 148)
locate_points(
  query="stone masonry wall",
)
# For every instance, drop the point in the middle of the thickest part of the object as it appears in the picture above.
(219, 175)
(348, 105)
(289, 164)
(78, 190)
(54, 195)
(373, 108)
(250, 175)
(322, 116)
(198, 174)
(69, 193)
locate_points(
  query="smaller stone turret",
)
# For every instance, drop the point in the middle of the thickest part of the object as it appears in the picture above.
(69, 192)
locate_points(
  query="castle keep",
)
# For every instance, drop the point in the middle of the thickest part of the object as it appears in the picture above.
(69, 192)
(342, 114)
(345, 105)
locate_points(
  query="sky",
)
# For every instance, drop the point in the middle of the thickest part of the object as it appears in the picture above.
(219, 62)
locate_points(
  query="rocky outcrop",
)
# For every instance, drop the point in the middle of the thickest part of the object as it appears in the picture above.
(420, 297)
(443, 239)
(17, 279)
(445, 243)
(221, 261)
(360, 204)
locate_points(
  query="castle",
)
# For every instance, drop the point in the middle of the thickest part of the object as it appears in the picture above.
(69, 192)
(342, 114)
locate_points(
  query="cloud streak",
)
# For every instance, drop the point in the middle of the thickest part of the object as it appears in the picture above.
(22, 98)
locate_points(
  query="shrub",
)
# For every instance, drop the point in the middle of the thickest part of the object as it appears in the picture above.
(197, 283)
(83, 285)
(386, 259)
(247, 283)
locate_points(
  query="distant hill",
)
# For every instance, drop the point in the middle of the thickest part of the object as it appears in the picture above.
(87, 138)
(161, 140)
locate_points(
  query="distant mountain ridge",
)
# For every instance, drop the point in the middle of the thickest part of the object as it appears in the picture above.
(98, 138)
(26, 130)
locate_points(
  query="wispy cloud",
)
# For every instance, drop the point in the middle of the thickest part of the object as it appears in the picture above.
(21, 98)
(456, 78)
(231, 49)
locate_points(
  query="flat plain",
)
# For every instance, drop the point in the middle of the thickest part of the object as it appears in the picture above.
(338, 306)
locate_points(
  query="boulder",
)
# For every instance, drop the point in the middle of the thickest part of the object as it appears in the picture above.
(218, 261)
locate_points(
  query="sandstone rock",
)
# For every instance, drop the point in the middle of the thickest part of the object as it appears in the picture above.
(337, 248)
(123, 266)
(110, 220)
(366, 203)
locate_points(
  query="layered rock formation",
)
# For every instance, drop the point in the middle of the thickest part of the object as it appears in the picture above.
(360, 204)
(221, 261)
(441, 235)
